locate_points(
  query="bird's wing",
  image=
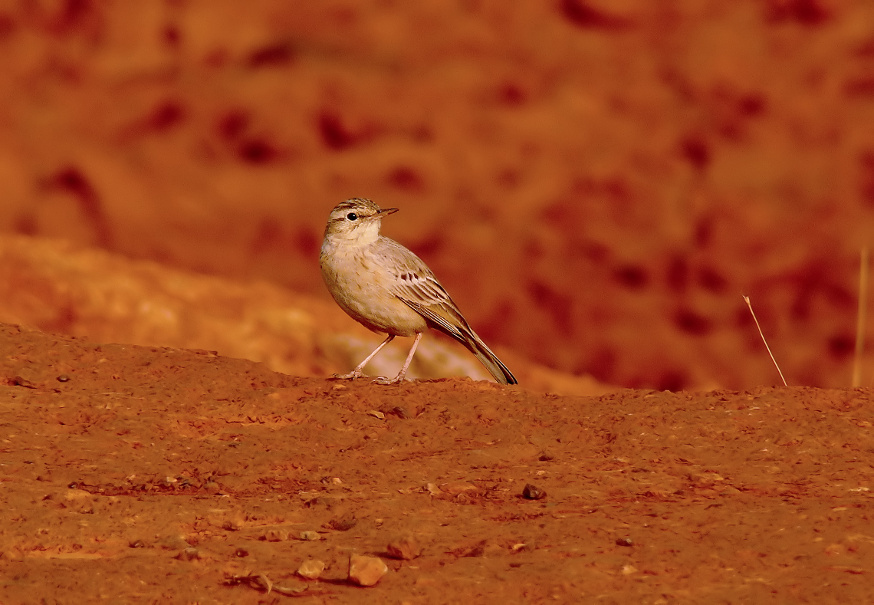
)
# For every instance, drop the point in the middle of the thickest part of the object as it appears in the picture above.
(414, 284)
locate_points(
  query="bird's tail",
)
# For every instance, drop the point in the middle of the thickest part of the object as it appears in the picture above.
(486, 357)
(448, 319)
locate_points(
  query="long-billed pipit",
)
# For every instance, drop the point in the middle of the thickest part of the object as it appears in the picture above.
(388, 289)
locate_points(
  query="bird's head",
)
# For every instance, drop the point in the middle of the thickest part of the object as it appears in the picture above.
(357, 219)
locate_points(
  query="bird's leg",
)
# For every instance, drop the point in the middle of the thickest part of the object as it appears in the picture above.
(403, 372)
(358, 371)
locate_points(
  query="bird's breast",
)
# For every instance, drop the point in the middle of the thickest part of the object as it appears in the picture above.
(363, 287)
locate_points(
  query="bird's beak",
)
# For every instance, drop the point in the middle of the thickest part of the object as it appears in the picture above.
(386, 211)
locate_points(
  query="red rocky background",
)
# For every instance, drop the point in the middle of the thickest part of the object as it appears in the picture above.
(597, 183)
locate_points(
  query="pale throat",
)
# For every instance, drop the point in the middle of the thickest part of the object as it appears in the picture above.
(362, 235)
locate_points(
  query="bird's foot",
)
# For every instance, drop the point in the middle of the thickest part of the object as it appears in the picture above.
(384, 380)
(350, 376)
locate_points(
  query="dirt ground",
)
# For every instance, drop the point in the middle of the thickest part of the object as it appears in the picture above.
(137, 474)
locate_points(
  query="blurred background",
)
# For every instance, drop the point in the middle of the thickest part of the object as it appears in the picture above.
(596, 182)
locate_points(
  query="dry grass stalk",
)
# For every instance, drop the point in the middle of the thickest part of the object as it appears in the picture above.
(861, 317)
(747, 300)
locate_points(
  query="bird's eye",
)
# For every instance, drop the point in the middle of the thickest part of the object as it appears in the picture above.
(352, 216)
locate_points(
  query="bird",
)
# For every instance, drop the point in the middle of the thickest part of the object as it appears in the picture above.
(388, 289)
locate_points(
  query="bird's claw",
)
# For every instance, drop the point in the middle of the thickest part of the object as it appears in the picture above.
(349, 376)
(386, 380)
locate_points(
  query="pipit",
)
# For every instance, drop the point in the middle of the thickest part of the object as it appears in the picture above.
(390, 290)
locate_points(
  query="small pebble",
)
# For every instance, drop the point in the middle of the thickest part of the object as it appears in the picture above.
(405, 548)
(310, 535)
(189, 554)
(232, 525)
(532, 492)
(311, 569)
(77, 495)
(624, 542)
(365, 570)
(275, 535)
(344, 523)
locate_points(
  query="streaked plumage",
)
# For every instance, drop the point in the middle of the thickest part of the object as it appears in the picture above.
(388, 289)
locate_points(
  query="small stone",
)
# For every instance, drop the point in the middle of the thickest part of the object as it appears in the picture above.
(80, 501)
(405, 548)
(624, 542)
(365, 570)
(189, 554)
(532, 492)
(311, 569)
(310, 535)
(77, 495)
(344, 523)
(275, 535)
(376, 414)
